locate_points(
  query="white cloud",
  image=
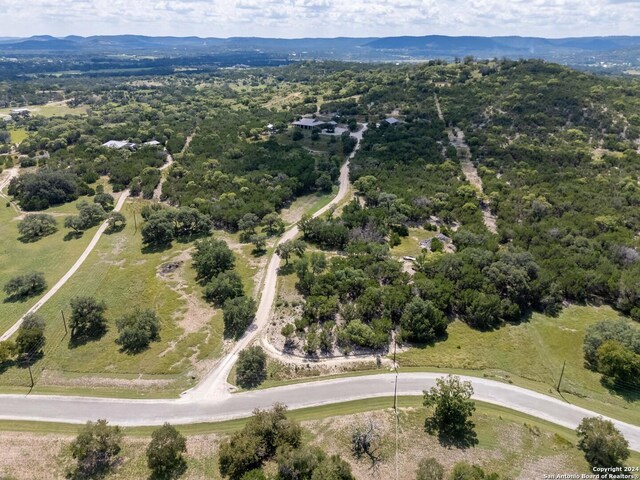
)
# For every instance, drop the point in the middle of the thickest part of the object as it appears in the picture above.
(321, 18)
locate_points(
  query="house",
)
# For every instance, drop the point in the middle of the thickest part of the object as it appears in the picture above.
(118, 144)
(309, 123)
(20, 112)
(391, 120)
(152, 143)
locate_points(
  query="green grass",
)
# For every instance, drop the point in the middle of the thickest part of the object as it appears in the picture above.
(51, 110)
(531, 353)
(18, 135)
(410, 245)
(124, 277)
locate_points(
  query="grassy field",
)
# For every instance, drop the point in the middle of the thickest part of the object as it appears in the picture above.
(532, 352)
(18, 135)
(119, 273)
(510, 443)
(54, 109)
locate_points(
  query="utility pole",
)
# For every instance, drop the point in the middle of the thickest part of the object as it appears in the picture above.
(135, 222)
(64, 322)
(31, 376)
(561, 375)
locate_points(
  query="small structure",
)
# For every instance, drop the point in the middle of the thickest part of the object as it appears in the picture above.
(119, 144)
(391, 120)
(440, 236)
(20, 112)
(309, 123)
(152, 143)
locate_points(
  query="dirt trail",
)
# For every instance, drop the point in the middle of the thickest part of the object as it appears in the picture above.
(158, 190)
(456, 137)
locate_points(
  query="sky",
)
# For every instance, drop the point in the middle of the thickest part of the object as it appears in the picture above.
(319, 18)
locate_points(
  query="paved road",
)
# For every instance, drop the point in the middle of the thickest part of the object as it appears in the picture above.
(227, 406)
(47, 296)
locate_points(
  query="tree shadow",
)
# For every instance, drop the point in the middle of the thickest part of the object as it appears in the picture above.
(286, 269)
(629, 393)
(258, 252)
(462, 437)
(192, 237)
(72, 236)
(156, 248)
(80, 340)
(114, 229)
(27, 240)
(176, 471)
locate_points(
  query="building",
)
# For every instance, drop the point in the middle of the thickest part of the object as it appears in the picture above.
(118, 144)
(391, 120)
(20, 112)
(152, 143)
(309, 123)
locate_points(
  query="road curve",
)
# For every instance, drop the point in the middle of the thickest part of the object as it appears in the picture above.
(184, 411)
(52, 291)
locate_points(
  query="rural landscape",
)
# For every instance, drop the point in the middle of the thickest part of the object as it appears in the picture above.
(230, 264)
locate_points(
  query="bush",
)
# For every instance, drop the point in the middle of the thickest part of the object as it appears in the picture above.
(621, 331)
(36, 226)
(138, 329)
(251, 369)
(429, 469)
(238, 313)
(105, 200)
(25, 285)
(165, 453)
(96, 449)
(157, 231)
(224, 286)
(603, 445)
(87, 318)
(422, 321)
(30, 340)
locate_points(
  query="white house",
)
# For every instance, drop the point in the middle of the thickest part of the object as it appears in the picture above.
(118, 144)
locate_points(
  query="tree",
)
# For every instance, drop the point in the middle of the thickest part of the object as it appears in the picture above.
(365, 443)
(46, 187)
(165, 453)
(422, 321)
(157, 231)
(116, 221)
(285, 249)
(7, 351)
(248, 223)
(87, 318)
(37, 225)
(238, 313)
(138, 329)
(602, 443)
(618, 363)
(25, 285)
(266, 432)
(466, 471)
(95, 449)
(273, 224)
(74, 222)
(211, 258)
(224, 286)
(251, 369)
(451, 398)
(30, 340)
(90, 215)
(429, 469)
(259, 243)
(105, 200)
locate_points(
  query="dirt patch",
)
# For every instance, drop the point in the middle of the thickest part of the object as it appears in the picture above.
(31, 456)
(196, 314)
(54, 378)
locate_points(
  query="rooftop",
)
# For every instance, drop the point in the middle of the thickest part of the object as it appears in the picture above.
(309, 122)
(117, 144)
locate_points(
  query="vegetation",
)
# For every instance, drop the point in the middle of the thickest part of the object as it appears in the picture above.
(30, 340)
(251, 368)
(96, 449)
(603, 445)
(37, 225)
(24, 286)
(87, 318)
(238, 314)
(165, 453)
(429, 469)
(137, 329)
(451, 399)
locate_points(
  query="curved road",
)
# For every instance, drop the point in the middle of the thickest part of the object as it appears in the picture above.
(211, 400)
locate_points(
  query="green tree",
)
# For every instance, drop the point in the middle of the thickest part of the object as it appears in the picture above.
(266, 432)
(273, 224)
(7, 351)
(422, 321)
(87, 318)
(238, 313)
(165, 453)
(30, 340)
(224, 286)
(451, 399)
(90, 215)
(211, 258)
(96, 449)
(602, 443)
(466, 471)
(618, 363)
(251, 369)
(37, 225)
(137, 329)
(429, 469)
(25, 285)
(158, 231)
(116, 221)
(259, 241)
(105, 200)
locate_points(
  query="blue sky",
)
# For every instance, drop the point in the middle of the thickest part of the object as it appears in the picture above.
(320, 18)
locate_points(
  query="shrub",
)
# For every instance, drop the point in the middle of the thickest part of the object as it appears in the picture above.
(36, 226)
(165, 453)
(95, 449)
(25, 285)
(224, 286)
(138, 329)
(238, 313)
(602, 443)
(251, 369)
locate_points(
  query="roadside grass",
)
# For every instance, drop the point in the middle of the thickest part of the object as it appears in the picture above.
(120, 274)
(306, 205)
(509, 442)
